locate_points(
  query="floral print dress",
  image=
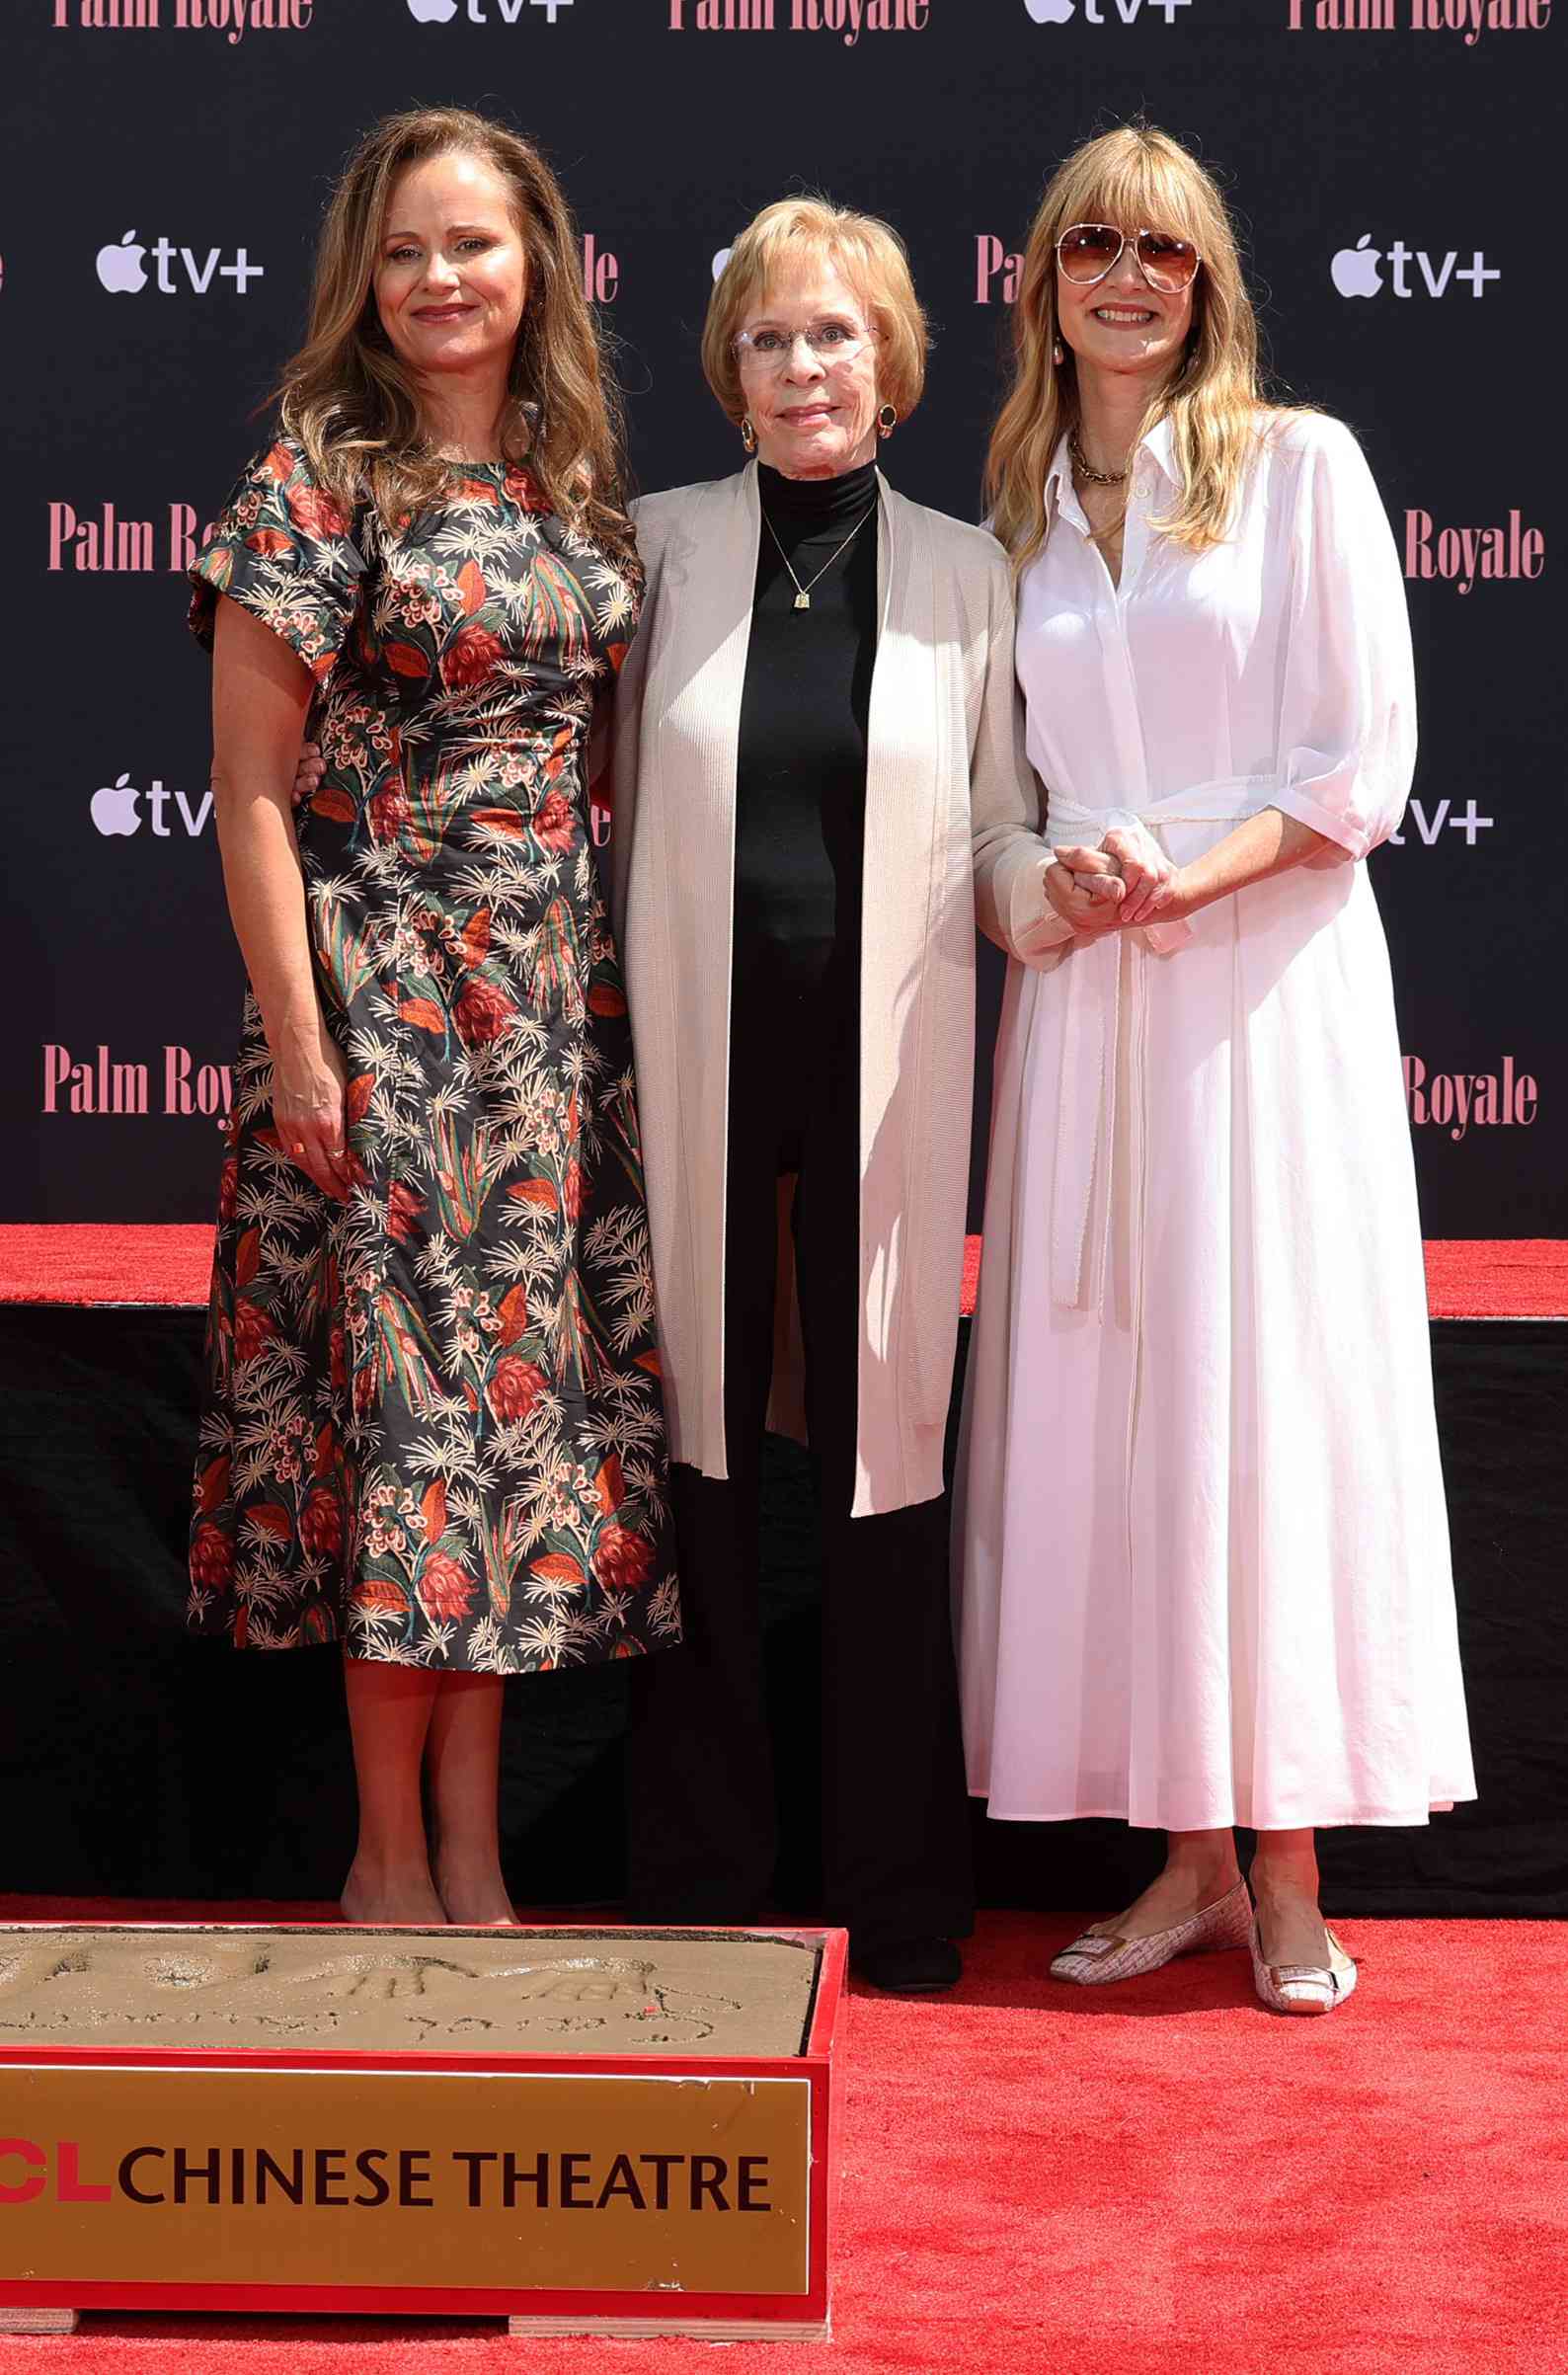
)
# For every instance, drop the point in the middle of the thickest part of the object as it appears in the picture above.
(432, 1426)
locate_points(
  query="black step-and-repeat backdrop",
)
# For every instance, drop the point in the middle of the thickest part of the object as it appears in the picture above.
(165, 163)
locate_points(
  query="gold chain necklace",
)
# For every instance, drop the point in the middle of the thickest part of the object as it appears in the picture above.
(803, 594)
(1097, 478)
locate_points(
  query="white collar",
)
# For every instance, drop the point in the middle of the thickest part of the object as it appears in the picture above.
(1159, 445)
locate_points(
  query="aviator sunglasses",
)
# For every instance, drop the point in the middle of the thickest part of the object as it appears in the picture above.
(1090, 250)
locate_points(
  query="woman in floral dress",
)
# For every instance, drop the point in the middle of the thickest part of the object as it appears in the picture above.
(432, 1428)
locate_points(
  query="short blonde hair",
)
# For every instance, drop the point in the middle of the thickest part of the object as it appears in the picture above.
(797, 232)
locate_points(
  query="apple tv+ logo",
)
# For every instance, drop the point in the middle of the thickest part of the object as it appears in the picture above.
(1356, 271)
(121, 272)
(1126, 12)
(476, 12)
(116, 813)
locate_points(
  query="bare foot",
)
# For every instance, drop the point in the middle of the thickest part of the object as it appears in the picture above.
(1290, 1928)
(406, 1896)
(475, 1896)
(1181, 1891)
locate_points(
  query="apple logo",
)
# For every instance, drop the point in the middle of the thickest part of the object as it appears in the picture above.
(120, 268)
(1355, 269)
(1049, 12)
(115, 807)
(720, 261)
(432, 12)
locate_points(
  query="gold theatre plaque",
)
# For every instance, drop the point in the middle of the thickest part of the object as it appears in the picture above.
(576, 2129)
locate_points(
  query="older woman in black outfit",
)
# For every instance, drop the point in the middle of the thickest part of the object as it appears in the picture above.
(818, 786)
(817, 773)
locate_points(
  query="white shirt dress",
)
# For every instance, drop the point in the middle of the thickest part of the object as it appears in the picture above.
(1202, 1552)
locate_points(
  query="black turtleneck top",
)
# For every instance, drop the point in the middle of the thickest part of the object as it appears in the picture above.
(801, 776)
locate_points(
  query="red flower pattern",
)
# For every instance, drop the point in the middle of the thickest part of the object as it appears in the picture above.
(553, 823)
(470, 657)
(524, 490)
(484, 1271)
(253, 1330)
(211, 1556)
(444, 1588)
(622, 1560)
(317, 513)
(320, 1523)
(483, 1012)
(515, 1387)
(388, 812)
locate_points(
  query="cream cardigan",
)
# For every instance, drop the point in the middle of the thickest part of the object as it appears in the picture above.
(953, 814)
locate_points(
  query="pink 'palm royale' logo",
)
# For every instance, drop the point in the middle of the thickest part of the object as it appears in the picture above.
(1462, 1101)
(1469, 17)
(847, 19)
(232, 20)
(106, 1083)
(108, 543)
(1463, 556)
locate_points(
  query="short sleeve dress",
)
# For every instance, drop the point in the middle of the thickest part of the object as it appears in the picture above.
(432, 1425)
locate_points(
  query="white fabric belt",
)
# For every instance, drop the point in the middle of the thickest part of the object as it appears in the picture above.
(1228, 800)
(1097, 1025)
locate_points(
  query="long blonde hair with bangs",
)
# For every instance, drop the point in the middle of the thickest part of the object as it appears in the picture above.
(352, 403)
(1138, 178)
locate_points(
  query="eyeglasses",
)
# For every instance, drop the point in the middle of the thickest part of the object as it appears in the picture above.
(1090, 251)
(828, 342)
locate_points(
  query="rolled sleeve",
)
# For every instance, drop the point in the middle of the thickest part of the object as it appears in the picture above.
(1346, 707)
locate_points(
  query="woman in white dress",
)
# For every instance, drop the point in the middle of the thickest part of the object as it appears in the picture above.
(1200, 1538)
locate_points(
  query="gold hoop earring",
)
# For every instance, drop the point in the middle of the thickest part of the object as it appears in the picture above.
(887, 422)
(1057, 356)
(748, 432)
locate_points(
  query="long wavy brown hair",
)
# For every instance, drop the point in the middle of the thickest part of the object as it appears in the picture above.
(1135, 176)
(354, 404)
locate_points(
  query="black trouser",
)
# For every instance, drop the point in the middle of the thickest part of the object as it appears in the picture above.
(702, 1815)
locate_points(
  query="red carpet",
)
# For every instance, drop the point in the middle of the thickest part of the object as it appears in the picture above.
(1160, 2179)
(105, 1263)
(1510, 1278)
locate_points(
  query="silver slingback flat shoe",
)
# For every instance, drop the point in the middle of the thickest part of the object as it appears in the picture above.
(1303, 1987)
(1093, 1960)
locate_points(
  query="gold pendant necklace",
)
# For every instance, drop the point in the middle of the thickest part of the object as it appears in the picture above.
(803, 594)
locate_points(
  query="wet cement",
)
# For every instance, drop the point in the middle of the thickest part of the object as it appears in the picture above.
(374, 1990)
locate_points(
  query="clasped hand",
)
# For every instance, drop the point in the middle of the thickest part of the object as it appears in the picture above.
(1127, 881)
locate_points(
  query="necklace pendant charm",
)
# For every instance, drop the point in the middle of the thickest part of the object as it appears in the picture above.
(803, 602)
